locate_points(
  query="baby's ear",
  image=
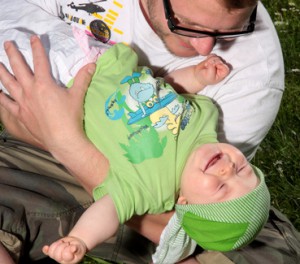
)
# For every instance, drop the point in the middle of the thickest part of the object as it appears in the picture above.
(182, 200)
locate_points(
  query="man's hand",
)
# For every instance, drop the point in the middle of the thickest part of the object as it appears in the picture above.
(38, 110)
(41, 112)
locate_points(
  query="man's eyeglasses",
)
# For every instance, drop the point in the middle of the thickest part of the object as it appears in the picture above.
(192, 33)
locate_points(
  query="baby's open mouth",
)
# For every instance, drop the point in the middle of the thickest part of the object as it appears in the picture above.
(213, 160)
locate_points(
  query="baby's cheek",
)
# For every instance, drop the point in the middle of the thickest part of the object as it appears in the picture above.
(205, 190)
(210, 184)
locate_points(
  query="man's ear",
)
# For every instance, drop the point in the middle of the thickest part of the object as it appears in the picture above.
(182, 200)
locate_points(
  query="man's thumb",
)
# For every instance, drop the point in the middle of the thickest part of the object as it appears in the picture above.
(83, 79)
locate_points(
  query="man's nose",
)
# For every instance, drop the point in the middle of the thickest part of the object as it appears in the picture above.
(203, 46)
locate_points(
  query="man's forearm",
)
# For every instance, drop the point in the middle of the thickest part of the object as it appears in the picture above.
(150, 226)
(4, 256)
(84, 161)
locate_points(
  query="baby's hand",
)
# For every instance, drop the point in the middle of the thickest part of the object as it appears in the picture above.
(68, 250)
(212, 70)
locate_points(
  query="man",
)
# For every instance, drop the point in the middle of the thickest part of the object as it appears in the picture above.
(163, 31)
(248, 102)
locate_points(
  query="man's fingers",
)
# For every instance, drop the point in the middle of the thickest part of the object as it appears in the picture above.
(7, 80)
(40, 59)
(18, 64)
(8, 105)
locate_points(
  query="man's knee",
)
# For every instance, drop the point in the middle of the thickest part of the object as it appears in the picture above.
(36, 210)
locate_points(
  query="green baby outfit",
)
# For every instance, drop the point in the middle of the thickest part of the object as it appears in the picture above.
(145, 129)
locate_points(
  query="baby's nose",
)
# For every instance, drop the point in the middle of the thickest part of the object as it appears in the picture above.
(227, 166)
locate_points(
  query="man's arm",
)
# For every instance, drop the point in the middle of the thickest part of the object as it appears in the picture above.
(4, 256)
(44, 114)
(151, 227)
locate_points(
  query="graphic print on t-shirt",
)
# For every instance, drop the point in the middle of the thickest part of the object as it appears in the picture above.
(97, 18)
(151, 112)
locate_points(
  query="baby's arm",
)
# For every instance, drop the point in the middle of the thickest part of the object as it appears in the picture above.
(98, 223)
(194, 78)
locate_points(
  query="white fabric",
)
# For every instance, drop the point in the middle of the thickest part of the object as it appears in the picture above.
(174, 244)
(248, 99)
(20, 19)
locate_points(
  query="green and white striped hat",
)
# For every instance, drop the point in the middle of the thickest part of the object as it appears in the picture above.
(221, 226)
(227, 225)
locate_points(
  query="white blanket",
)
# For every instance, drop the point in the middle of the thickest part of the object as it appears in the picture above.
(20, 19)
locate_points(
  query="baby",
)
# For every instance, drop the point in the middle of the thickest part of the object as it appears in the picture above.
(163, 152)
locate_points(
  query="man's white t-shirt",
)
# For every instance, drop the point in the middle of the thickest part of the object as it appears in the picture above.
(248, 99)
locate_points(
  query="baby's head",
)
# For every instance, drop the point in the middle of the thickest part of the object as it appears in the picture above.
(224, 201)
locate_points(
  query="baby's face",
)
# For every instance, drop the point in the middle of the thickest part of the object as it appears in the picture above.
(214, 173)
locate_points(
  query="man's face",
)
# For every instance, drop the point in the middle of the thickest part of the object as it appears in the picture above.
(207, 15)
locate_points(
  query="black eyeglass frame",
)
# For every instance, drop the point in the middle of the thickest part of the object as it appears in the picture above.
(202, 34)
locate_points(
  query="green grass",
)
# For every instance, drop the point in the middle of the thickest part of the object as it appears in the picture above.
(279, 153)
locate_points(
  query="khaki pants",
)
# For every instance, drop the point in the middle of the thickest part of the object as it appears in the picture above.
(40, 202)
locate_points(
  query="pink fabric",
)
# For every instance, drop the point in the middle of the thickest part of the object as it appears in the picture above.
(92, 53)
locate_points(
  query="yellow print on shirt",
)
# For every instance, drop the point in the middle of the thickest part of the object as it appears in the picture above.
(97, 19)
